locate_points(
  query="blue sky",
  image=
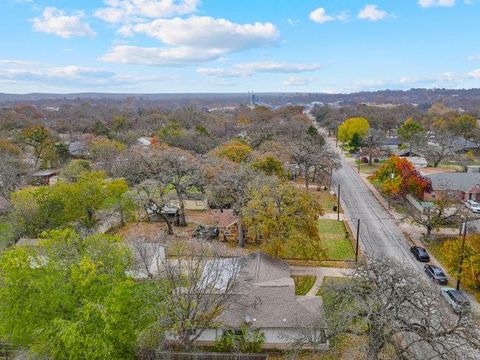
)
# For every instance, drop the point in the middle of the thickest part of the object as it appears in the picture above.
(156, 46)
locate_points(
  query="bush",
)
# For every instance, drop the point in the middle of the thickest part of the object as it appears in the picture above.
(243, 340)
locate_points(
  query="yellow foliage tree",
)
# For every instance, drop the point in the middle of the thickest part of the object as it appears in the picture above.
(451, 250)
(352, 126)
(235, 150)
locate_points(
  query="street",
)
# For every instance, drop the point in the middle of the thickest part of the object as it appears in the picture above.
(379, 234)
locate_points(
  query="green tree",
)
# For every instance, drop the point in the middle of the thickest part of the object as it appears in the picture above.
(72, 171)
(270, 166)
(356, 140)
(36, 209)
(283, 219)
(463, 125)
(39, 138)
(352, 126)
(411, 133)
(70, 298)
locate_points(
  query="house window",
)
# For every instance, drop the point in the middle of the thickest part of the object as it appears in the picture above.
(470, 196)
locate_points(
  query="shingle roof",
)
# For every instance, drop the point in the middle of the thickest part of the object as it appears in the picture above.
(454, 181)
(267, 297)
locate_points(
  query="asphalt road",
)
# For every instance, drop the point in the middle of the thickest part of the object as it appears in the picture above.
(379, 234)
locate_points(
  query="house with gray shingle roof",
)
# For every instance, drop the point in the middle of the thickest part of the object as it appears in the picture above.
(269, 304)
(464, 186)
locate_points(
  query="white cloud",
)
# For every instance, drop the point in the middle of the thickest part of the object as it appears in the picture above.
(118, 11)
(78, 76)
(126, 54)
(435, 3)
(191, 40)
(58, 22)
(320, 16)
(248, 69)
(475, 74)
(298, 81)
(474, 57)
(371, 12)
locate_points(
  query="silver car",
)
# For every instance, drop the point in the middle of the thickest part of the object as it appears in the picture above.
(473, 206)
(456, 299)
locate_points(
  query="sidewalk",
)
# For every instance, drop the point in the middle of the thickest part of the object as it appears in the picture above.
(319, 273)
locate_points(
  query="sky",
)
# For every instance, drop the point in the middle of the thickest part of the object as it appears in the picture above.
(174, 46)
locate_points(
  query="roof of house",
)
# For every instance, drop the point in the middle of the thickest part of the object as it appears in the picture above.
(391, 141)
(45, 173)
(462, 143)
(454, 181)
(267, 297)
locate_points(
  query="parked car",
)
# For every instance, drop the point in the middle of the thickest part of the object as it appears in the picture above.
(473, 206)
(420, 253)
(436, 274)
(456, 299)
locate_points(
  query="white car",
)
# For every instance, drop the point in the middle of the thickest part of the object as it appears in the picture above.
(456, 299)
(473, 205)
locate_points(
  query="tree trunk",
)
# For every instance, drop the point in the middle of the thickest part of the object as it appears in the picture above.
(370, 159)
(167, 221)
(183, 221)
(241, 235)
(307, 179)
(429, 232)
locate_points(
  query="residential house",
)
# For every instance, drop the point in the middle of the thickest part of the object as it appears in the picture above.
(463, 186)
(45, 177)
(267, 303)
(418, 162)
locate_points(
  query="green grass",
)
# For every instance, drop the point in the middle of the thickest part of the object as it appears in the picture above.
(327, 200)
(335, 239)
(303, 284)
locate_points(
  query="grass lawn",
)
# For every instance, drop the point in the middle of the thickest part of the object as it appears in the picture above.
(327, 200)
(369, 169)
(435, 248)
(336, 239)
(303, 284)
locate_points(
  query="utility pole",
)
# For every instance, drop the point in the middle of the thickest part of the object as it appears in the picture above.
(460, 261)
(358, 240)
(338, 203)
(392, 175)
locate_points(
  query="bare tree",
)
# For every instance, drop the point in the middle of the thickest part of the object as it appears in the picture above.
(399, 314)
(10, 171)
(148, 255)
(312, 154)
(181, 172)
(151, 196)
(228, 183)
(445, 210)
(372, 144)
(201, 284)
(443, 146)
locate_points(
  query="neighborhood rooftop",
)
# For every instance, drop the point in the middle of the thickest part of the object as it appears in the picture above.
(455, 181)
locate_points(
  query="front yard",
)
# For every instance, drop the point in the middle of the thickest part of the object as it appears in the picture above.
(336, 239)
(303, 283)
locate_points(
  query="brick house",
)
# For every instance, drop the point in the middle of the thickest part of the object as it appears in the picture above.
(464, 186)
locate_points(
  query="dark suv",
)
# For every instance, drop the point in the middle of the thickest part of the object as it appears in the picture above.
(420, 253)
(436, 274)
